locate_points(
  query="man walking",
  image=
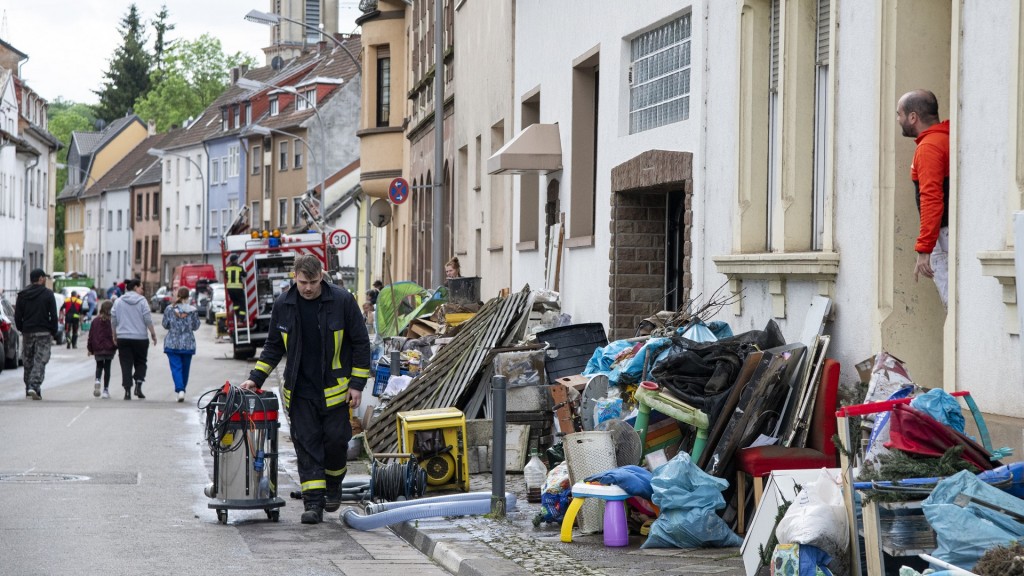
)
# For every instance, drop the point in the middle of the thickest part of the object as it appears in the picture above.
(90, 303)
(328, 354)
(72, 316)
(132, 319)
(35, 316)
(918, 115)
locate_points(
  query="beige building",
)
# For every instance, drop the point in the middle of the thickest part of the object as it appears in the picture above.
(297, 31)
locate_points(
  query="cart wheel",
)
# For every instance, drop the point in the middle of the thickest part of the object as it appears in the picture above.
(222, 516)
(274, 515)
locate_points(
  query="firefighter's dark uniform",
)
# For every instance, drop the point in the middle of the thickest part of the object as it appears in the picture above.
(235, 286)
(320, 425)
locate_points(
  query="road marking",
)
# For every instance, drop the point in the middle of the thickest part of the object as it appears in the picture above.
(84, 410)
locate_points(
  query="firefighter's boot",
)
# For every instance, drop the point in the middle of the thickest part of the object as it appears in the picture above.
(314, 505)
(332, 500)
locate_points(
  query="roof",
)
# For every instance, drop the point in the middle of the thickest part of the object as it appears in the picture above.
(87, 141)
(13, 49)
(90, 142)
(122, 174)
(150, 175)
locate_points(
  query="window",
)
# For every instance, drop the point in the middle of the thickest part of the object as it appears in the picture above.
(214, 172)
(167, 218)
(302, 102)
(214, 221)
(233, 158)
(298, 153)
(156, 205)
(255, 216)
(138, 206)
(225, 221)
(199, 215)
(256, 158)
(188, 216)
(188, 170)
(659, 86)
(177, 170)
(383, 86)
(583, 189)
(110, 220)
(282, 213)
(282, 162)
(238, 116)
(297, 211)
(224, 170)
(108, 260)
(273, 106)
(167, 170)
(154, 249)
(138, 251)
(248, 113)
(224, 120)
(120, 220)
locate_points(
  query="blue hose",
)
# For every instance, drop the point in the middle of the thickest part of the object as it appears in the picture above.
(379, 507)
(415, 510)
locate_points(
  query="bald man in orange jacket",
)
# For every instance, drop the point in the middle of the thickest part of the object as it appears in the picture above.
(918, 115)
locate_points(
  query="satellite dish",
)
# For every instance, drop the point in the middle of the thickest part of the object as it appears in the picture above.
(380, 213)
(277, 63)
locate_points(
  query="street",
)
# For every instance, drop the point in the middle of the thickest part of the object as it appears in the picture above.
(106, 487)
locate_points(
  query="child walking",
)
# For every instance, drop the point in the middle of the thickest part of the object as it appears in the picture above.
(181, 319)
(102, 346)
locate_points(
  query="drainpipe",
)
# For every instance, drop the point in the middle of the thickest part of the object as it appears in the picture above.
(498, 502)
(24, 248)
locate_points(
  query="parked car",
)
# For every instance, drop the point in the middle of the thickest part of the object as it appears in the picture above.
(190, 275)
(11, 336)
(216, 304)
(159, 301)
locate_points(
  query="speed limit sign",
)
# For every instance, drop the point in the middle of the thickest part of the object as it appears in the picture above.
(340, 239)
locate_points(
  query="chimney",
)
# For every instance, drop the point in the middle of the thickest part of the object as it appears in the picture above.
(321, 46)
(235, 74)
(151, 127)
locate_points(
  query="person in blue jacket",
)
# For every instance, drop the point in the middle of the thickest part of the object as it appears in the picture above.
(181, 320)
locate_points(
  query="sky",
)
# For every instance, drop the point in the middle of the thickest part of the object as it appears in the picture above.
(70, 42)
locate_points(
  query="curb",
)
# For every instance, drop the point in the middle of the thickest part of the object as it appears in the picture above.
(456, 554)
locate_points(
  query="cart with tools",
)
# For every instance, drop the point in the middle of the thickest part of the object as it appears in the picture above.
(241, 431)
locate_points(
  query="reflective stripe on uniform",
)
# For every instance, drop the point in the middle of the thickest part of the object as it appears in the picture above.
(337, 394)
(284, 336)
(360, 373)
(264, 367)
(314, 485)
(287, 397)
(336, 472)
(336, 361)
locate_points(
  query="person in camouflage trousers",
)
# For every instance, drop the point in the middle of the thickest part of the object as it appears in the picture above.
(35, 315)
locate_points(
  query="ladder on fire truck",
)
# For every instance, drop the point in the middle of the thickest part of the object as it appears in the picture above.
(241, 332)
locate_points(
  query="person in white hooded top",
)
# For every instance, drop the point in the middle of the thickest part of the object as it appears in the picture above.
(132, 319)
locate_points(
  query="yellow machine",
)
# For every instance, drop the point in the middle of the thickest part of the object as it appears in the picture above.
(438, 439)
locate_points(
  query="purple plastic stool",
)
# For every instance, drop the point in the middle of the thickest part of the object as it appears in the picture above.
(616, 533)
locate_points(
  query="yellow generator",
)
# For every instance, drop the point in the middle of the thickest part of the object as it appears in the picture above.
(438, 439)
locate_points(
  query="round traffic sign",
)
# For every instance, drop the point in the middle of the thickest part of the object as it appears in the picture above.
(340, 239)
(398, 191)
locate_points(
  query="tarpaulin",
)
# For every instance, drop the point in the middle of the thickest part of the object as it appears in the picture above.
(918, 433)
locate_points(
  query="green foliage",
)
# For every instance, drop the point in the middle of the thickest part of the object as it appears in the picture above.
(161, 27)
(58, 259)
(127, 78)
(898, 465)
(195, 73)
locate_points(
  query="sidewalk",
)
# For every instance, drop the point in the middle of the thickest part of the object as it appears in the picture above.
(471, 546)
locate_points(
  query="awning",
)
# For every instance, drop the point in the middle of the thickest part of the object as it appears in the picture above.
(536, 149)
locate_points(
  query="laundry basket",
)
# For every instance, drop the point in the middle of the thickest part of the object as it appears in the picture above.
(589, 453)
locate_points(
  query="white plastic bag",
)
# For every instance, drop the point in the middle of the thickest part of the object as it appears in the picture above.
(817, 517)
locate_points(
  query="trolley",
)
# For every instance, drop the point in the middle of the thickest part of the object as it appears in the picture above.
(241, 431)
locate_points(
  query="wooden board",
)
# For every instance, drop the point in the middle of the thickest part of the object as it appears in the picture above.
(750, 364)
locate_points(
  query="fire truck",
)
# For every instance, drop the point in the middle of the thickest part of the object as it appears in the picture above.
(267, 257)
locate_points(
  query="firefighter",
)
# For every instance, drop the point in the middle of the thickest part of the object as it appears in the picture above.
(320, 329)
(235, 285)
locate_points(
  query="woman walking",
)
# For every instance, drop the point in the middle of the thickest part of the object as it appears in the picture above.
(181, 319)
(102, 346)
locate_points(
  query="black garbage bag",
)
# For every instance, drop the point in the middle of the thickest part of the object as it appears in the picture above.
(703, 373)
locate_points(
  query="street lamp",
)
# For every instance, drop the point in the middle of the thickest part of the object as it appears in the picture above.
(163, 154)
(271, 19)
(250, 84)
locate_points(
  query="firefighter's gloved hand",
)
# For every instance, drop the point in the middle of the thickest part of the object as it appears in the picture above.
(249, 385)
(355, 397)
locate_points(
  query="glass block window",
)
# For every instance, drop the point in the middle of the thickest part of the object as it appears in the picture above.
(659, 77)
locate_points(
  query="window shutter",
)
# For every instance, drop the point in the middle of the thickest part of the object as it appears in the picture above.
(823, 26)
(384, 51)
(773, 85)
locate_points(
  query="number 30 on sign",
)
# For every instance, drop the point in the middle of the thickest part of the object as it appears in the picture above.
(340, 239)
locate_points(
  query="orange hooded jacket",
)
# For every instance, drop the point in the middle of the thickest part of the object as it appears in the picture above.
(930, 173)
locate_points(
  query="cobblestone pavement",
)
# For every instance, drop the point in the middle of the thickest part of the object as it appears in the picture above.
(472, 545)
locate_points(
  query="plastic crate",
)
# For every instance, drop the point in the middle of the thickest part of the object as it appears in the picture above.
(380, 382)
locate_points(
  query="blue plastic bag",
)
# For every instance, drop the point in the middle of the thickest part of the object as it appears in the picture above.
(986, 528)
(688, 498)
(940, 405)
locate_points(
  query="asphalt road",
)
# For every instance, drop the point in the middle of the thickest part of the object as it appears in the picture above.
(109, 487)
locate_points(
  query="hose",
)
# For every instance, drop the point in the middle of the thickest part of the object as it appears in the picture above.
(417, 511)
(378, 507)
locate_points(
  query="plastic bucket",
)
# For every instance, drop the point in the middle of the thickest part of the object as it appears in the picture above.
(589, 453)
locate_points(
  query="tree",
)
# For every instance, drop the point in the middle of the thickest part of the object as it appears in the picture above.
(160, 44)
(127, 78)
(65, 117)
(195, 73)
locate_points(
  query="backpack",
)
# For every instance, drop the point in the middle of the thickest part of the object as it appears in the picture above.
(74, 307)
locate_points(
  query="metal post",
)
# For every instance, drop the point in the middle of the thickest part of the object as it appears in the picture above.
(436, 265)
(498, 446)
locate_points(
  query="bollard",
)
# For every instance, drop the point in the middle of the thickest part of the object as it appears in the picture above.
(498, 446)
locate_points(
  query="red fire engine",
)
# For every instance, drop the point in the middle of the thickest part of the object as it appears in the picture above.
(267, 257)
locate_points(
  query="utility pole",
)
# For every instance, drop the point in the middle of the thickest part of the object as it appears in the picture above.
(437, 266)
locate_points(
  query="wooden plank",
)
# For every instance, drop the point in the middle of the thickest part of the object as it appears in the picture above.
(750, 364)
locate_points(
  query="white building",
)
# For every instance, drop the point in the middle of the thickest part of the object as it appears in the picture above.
(184, 195)
(753, 143)
(12, 207)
